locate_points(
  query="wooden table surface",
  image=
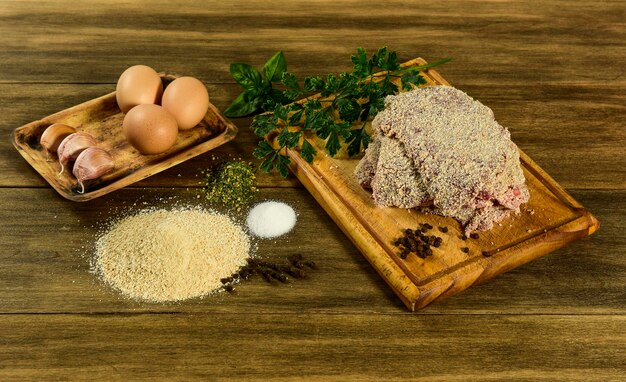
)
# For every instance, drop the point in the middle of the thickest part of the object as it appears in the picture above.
(552, 71)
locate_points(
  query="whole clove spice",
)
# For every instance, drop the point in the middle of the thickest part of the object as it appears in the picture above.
(270, 272)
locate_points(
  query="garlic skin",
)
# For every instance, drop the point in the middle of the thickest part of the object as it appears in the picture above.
(90, 164)
(72, 146)
(54, 135)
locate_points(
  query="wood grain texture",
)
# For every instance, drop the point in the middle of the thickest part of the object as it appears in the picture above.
(489, 40)
(316, 347)
(48, 244)
(552, 71)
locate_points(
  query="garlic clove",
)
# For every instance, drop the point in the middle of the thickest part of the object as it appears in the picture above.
(90, 164)
(54, 135)
(72, 146)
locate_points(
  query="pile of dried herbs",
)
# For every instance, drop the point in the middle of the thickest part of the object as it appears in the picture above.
(232, 184)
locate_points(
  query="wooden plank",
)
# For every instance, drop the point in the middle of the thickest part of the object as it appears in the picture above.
(318, 347)
(343, 322)
(572, 114)
(493, 41)
(47, 243)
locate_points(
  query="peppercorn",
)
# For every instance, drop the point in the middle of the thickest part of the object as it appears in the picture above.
(465, 249)
(443, 229)
(474, 235)
(415, 241)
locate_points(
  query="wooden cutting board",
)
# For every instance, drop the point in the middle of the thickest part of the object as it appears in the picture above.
(550, 220)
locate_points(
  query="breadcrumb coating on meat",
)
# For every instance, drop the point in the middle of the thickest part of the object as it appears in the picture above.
(366, 168)
(467, 166)
(397, 183)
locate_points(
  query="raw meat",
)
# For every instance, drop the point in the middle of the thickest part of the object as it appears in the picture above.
(438, 149)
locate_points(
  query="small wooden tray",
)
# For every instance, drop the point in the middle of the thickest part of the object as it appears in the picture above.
(102, 118)
(550, 220)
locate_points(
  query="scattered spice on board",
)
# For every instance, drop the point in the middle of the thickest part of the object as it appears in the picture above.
(417, 242)
(232, 184)
(161, 255)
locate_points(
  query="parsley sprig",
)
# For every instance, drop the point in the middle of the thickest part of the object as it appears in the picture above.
(345, 103)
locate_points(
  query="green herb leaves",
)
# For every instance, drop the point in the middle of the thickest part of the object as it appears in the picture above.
(307, 151)
(246, 103)
(246, 76)
(412, 78)
(258, 93)
(361, 67)
(381, 60)
(275, 67)
(272, 158)
(339, 116)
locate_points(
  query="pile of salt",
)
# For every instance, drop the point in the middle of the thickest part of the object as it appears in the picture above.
(271, 219)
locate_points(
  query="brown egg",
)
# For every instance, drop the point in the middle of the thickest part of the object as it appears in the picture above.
(138, 85)
(187, 99)
(150, 129)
